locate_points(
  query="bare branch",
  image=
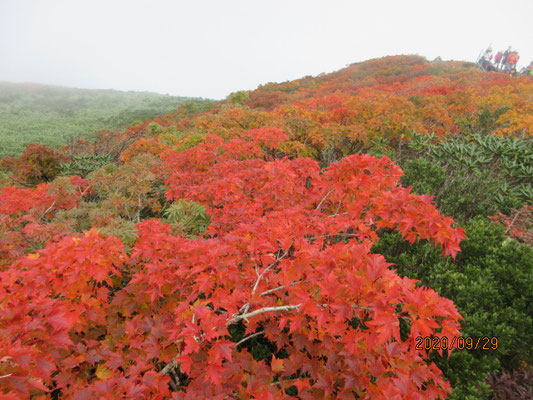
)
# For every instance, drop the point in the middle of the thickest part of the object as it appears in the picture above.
(362, 307)
(512, 222)
(246, 316)
(267, 292)
(353, 306)
(139, 207)
(48, 209)
(174, 381)
(244, 309)
(249, 337)
(324, 198)
(260, 275)
(171, 365)
(19, 182)
(336, 215)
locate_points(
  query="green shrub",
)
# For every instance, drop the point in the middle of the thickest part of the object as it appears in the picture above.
(190, 141)
(187, 218)
(491, 283)
(123, 229)
(83, 165)
(470, 175)
(485, 121)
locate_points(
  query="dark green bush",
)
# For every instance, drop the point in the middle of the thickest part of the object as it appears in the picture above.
(485, 121)
(491, 283)
(460, 192)
(470, 175)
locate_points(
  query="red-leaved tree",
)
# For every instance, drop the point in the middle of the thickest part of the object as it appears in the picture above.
(25, 214)
(286, 259)
(37, 163)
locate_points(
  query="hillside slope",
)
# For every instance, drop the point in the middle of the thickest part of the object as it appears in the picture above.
(329, 237)
(385, 97)
(50, 114)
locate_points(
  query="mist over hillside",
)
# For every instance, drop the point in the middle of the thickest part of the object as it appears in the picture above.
(49, 115)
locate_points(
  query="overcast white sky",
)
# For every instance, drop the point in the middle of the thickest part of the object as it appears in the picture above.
(209, 48)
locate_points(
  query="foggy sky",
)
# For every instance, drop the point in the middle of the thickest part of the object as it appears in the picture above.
(209, 48)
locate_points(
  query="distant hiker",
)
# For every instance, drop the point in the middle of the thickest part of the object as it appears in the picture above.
(488, 54)
(512, 60)
(498, 59)
(480, 60)
(484, 62)
(505, 56)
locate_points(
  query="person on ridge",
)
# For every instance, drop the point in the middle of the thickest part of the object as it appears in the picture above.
(488, 54)
(512, 60)
(498, 59)
(484, 61)
(504, 58)
(527, 70)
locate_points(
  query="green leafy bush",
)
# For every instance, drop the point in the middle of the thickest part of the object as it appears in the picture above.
(472, 174)
(123, 229)
(491, 283)
(485, 121)
(82, 165)
(191, 141)
(187, 217)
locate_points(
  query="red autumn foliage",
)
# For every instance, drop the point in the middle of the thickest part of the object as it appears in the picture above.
(389, 97)
(519, 225)
(38, 163)
(286, 258)
(25, 214)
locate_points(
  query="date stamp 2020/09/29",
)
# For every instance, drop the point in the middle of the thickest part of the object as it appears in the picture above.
(456, 343)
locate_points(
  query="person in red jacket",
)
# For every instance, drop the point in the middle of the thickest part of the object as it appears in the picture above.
(512, 60)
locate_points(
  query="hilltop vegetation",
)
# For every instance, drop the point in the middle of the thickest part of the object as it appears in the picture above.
(50, 115)
(295, 241)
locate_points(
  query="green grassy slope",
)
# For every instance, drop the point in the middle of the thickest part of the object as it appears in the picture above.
(51, 114)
